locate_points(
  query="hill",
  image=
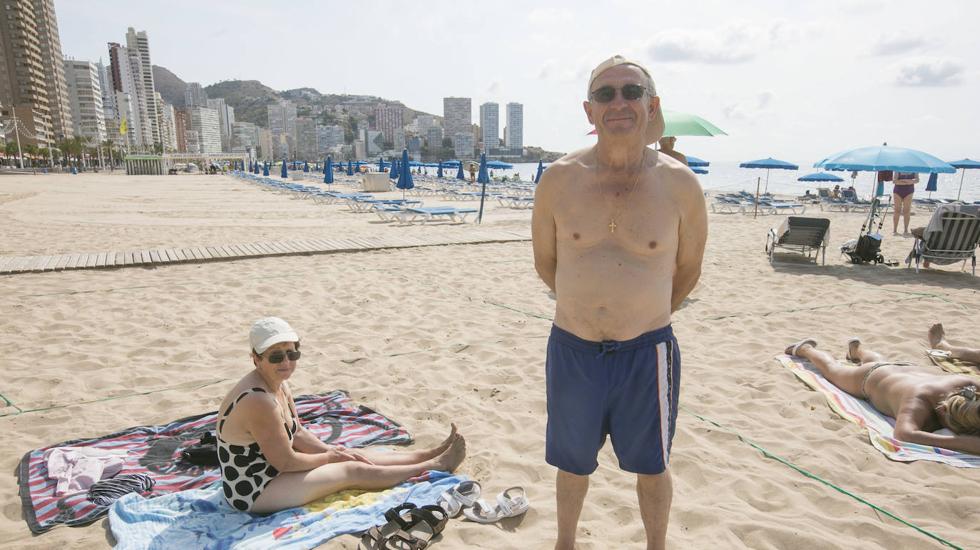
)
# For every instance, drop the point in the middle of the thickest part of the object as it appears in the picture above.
(170, 86)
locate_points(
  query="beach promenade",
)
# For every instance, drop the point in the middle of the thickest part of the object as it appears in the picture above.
(439, 323)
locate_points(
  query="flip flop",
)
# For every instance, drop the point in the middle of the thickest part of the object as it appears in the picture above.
(510, 503)
(464, 494)
(850, 341)
(796, 347)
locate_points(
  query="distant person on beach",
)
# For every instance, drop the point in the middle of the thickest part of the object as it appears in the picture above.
(835, 194)
(937, 340)
(920, 399)
(270, 462)
(667, 147)
(618, 235)
(902, 195)
(472, 172)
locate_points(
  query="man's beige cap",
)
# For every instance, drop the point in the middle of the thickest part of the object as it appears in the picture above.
(655, 128)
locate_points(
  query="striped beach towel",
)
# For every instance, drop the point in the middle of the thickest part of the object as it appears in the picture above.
(942, 360)
(880, 428)
(155, 451)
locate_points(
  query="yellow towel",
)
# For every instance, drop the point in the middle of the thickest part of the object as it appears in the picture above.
(942, 360)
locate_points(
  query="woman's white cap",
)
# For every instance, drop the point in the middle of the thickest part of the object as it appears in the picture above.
(268, 331)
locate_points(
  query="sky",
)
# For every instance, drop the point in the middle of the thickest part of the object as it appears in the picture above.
(797, 81)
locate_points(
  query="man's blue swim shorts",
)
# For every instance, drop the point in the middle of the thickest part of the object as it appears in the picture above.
(628, 390)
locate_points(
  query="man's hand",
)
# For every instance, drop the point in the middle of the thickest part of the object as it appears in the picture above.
(337, 453)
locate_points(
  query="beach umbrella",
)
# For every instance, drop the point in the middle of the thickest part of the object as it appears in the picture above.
(686, 124)
(350, 168)
(459, 173)
(820, 176)
(439, 171)
(769, 164)
(306, 167)
(395, 170)
(405, 178)
(698, 170)
(933, 180)
(964, 164)
(695, 161)
(484, 178)
(282, 174)
(884, 157)
(265, 169)
(497, 165)
(537, 177)
(328, 170)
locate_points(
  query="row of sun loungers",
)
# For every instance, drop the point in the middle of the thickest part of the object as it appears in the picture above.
(745, 203)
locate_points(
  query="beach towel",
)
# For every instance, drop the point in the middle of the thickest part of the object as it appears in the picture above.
(201, 518)
(880, 428)
(942, 360)
(155, 451)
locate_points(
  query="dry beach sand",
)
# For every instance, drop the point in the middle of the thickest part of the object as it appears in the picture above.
(457, 333)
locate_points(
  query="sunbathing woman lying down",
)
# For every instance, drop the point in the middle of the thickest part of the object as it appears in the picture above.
(920, 399)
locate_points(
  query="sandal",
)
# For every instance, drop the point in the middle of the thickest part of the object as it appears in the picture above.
(464, 494)
(848, 354)
(510, 503)
(796, 347)
(376, 538)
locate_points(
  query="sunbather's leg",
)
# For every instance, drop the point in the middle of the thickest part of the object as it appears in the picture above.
(291, 489)
(394, 458)
(937, 340)
(848, 379)
(863, 355)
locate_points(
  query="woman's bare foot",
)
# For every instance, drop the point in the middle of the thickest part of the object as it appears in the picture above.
(441, 448)
(452, 457)
(854, 350)
(937, 337)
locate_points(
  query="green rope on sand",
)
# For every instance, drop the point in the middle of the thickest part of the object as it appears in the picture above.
(815, 477)
(24, 411)
(9, 403)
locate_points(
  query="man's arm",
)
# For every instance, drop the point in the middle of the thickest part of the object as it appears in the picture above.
(543, 233)
(692, 233)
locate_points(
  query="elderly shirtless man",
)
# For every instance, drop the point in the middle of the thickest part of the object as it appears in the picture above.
(619, 233)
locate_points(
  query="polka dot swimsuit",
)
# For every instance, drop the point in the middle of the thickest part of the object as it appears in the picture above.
(244, 470)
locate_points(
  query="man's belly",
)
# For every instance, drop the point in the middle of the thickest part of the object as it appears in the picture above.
(610, 294)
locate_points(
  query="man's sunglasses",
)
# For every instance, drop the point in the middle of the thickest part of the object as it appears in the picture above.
(631, 92)
(277, 357)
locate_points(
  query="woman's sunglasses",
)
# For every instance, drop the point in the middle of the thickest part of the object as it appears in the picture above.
(631, 92)
(277, 357)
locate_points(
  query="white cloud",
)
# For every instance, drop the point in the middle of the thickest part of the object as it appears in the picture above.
(549, 16)
(924, 71)
(749, 108)
(736, 42)
(897, 43)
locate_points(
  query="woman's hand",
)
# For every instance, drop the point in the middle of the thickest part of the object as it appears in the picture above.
(336, 453)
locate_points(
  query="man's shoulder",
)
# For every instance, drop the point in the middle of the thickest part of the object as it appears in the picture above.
(565, 167)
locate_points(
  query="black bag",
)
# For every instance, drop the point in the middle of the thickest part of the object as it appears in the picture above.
(205, 453)
(867, 250)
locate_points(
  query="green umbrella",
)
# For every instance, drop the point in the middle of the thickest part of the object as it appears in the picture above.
(684, 124)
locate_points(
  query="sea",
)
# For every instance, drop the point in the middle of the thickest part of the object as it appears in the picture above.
(727, 177)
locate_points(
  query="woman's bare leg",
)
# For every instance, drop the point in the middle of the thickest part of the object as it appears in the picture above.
(848, 379)
(896, 212)
(937, 339)
(907, 211)
(291, 489)
(855, 350)
(393, 458)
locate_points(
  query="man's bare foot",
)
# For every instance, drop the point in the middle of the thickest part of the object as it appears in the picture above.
(452, 457)
(854, 350)
(937, 337)
(802, 345)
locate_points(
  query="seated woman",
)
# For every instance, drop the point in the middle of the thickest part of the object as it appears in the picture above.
(270, 462)
(920, 399)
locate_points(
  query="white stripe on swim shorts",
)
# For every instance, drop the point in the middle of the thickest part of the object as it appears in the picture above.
(664, 399)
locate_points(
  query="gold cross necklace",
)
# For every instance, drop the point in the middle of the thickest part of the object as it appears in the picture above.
(612, 220)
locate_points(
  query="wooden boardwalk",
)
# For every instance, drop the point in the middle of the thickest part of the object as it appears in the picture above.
(166, 256)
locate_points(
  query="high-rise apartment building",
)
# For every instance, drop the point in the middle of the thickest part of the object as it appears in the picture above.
(305, 138)
(265, 144)
(226, 117)
(32, 78)
(515, 126)
(204, 129)
(108, 93)
(457, 113)
(328, 138)
(85, 98)
(387, 119)
(490, 126)
(139, 46)
(195, 96)
(463, 145)
(181, 123)
(433, 137)
(125, 70)
(282, 126)
(167, 124)
(244, 137)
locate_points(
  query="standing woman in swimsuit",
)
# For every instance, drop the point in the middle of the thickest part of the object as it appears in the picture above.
(270, 462)
(902, 194)
(921, 400)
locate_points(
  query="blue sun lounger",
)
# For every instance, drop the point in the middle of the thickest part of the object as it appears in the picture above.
(425, 214)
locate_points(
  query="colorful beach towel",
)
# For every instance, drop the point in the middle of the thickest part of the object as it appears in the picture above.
(942, 360)
(880, 428)
(201, 518)
(155, 451)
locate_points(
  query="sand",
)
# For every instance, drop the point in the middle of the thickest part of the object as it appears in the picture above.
(457, 333)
